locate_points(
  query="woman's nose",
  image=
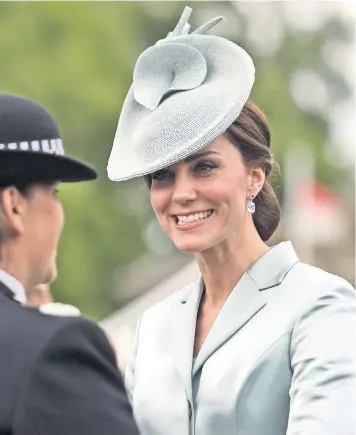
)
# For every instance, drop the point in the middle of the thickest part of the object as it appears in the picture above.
(184, 189)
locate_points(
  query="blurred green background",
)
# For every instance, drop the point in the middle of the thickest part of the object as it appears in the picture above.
(77, 59)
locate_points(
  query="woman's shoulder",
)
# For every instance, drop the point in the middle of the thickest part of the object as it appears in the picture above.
(315, 283)
(163, 308)
(317, 275)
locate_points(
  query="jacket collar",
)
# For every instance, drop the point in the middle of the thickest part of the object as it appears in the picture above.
(12, 284)
(6, 292)
(268, 271)
(245, 301)
(271, 269)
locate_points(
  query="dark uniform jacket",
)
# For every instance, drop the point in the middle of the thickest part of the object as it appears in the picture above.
(58, 376)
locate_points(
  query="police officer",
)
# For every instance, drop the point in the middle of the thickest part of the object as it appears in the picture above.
(58, 374)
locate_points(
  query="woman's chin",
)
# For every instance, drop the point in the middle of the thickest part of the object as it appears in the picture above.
(192, 247)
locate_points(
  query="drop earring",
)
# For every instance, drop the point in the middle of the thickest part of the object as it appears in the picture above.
(251, 207)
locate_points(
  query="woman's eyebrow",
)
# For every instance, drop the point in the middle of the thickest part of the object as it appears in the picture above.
(199, 155)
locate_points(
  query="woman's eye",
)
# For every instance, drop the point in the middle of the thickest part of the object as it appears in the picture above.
(161, 176)
(205, 166)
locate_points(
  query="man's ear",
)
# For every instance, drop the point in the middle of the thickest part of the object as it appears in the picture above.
(14, 206)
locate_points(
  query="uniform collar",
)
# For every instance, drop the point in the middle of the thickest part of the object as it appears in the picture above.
(14, 285)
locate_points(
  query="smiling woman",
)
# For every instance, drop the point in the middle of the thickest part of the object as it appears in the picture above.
(241, 160)
(260, 344)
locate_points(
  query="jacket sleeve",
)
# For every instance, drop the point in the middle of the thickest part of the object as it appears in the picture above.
(74, 387)
(323, 360)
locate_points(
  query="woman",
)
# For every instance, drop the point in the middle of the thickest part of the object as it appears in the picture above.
(260, 344)
(58, 371)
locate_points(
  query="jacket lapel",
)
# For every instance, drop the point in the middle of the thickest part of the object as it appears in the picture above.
(243, 303)
(247, 298)
(182, 333)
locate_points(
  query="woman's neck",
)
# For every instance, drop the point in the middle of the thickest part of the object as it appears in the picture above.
(12, 262)
(222, 267)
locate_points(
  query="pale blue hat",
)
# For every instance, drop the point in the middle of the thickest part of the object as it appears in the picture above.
(187, 89)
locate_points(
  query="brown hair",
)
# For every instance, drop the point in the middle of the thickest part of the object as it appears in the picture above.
(250, 134)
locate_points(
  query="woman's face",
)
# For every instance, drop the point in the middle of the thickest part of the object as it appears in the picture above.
(201, 201)
(36, 221)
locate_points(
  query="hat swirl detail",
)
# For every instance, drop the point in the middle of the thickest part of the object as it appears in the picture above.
(170, 67)
(164, 69)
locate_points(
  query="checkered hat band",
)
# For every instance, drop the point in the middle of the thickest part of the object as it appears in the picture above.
(47, 146)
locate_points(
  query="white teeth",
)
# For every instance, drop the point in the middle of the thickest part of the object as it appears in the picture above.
(193, 217)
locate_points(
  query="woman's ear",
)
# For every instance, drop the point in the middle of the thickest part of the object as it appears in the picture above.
(257, 178)
(13, 206)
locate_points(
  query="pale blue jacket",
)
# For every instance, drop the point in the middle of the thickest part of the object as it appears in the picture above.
(280, 358)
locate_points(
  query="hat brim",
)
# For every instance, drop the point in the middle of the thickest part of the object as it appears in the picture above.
(30, 167)
(185, 121)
